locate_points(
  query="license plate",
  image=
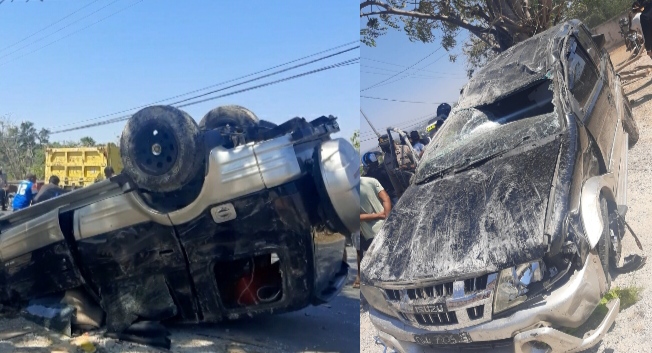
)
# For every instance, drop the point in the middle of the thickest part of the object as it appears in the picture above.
(443, 338)
(430, 308)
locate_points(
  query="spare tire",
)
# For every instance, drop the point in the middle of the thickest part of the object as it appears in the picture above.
(233, 115)
(161, 148)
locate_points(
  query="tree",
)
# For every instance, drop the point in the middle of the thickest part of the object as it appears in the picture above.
(355, 140)
(494, 25)
(22, 148)
(87, 141)
(595, 12)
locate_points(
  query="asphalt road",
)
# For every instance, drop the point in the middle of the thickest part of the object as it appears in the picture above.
(332, 327)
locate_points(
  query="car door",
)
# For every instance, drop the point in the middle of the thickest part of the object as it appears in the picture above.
(591, 92)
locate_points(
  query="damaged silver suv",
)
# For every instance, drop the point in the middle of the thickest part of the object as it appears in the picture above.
(223, 220)
(516, 212)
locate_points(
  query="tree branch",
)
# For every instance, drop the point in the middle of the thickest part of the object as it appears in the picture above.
(436, 17)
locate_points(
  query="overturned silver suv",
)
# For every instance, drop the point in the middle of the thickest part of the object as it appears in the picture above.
(210, 222)
(516, 212)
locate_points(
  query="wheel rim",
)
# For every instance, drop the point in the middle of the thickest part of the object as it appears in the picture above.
(157, 149)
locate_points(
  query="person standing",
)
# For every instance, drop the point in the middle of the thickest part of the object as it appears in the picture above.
(3, 190)
(25, 193)
(373, 169)
(415, 140)
(645, 7)
(375, 206)
(49, 191)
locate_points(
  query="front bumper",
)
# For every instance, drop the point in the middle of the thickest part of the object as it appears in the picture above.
(570, 305)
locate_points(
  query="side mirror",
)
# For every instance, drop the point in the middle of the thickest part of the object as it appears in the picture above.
(599, 40)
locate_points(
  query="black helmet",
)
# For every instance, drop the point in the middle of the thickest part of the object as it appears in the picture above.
(383, 143)
(369, 159)
(414, 135)
(444, 109)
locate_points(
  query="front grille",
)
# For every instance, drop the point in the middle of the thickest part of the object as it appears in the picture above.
(439, 319)
(434, 305)
(476, 312)
(439, 290)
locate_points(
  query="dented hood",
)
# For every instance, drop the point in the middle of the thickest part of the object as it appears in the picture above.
(478, 221)
(519, 66)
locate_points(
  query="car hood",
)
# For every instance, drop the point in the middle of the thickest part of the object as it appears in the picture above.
(478, 221)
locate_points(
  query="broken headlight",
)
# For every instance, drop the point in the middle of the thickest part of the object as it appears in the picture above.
(376, 298)
(513, 283)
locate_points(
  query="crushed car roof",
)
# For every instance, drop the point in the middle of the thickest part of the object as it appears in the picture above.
(519, 66)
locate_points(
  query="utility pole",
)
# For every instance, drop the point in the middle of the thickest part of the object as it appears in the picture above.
(369, 122)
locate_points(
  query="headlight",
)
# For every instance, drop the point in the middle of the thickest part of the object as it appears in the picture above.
(376, 299)
(513, 284)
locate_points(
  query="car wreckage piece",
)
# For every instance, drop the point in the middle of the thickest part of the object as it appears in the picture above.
(516, 213)
(206, 223)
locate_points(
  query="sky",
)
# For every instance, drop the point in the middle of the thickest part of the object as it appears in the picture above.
(142, 51)
(439, 81)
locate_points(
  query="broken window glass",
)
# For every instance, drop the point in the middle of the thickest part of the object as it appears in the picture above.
(582, 74)
(476, 133)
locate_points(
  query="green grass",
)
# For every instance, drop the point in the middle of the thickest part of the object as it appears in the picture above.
(628, 296)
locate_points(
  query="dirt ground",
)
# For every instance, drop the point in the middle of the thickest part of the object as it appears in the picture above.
(633, 328)
(333, 327)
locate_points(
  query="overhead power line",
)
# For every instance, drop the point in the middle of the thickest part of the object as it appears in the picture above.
(398, 100)
(403, 126)
(73, 33)
(405, 123)
(48, 26)
(126, 117)
(416, 69)
(380, 84)
(414, 75)
(408, 68)
(233, 80)
(59, 30)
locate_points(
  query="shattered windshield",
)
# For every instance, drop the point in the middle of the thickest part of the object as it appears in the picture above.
(471, 135)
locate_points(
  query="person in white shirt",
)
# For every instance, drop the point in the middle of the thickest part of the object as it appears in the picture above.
(415, 140)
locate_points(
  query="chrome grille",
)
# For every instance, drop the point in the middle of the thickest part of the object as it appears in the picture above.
(476, 312)
(451, 305)
(439, 290)
(440, 319)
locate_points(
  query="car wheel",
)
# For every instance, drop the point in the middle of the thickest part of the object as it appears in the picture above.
(629, 125)
(605, 241)
(233, 115)
(161, 148)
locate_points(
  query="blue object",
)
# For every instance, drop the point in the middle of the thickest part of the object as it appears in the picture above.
(24, 195)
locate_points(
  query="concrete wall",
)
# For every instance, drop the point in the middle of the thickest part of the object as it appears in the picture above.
(611, 32)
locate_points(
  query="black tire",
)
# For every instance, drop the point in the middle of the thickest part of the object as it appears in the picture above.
(629, 125)
(604, 244)
(233, 115)
(179, 155)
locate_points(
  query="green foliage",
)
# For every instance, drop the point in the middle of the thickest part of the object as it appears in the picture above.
(87, 141)
(355, 140)
(595, 12)
(628, 297)
(22, 148)
(494, 26)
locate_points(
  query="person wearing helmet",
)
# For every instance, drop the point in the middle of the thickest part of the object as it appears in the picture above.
(390, 164)
(443, 110)
(373, 169)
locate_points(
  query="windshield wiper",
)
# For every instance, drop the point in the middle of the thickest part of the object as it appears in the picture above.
(467, 164)
(491, 156)
(440, 173)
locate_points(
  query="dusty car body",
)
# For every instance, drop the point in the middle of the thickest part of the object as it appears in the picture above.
(507, 232)
(243, 238)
